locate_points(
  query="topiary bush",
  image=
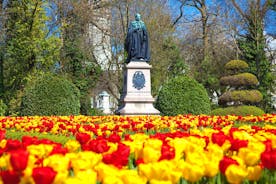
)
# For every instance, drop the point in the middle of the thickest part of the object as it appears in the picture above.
(183, 95)
(236, 65)
(243, 96)
(240, 92)
(243, 79)
(50, 95)
(238, 110)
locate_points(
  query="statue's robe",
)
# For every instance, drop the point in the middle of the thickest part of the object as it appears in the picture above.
(137, 45)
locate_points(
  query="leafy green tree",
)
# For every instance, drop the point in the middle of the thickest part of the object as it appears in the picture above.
(29, 48)
(253, 43)
(170, 65)
(77, 62)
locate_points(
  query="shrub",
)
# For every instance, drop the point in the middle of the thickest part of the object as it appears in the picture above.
(3, 108)
(243, 79)
(236, 65)
(50, 95)
(244, 96)
(183, 95)
(238, 110)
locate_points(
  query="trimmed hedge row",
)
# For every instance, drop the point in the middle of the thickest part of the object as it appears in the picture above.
(238, 110)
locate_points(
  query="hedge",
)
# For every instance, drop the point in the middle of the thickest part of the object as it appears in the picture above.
(50, 95)
(183, 95)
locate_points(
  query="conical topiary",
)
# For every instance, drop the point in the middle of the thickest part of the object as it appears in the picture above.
(241, 94)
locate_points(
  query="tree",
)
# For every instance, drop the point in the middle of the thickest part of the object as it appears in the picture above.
(252, 43)
(29, 46)
(77, 59)
(2, 23)
(206, 44)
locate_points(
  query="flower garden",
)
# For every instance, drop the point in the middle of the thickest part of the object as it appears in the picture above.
(138, 149)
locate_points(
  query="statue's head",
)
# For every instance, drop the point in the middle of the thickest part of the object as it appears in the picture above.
(137, 17)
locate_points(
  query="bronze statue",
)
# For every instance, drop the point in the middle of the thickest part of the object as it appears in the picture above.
(137, 42)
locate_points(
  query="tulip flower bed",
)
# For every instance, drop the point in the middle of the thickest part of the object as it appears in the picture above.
(139, 149)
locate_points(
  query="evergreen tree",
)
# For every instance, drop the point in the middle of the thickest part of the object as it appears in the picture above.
(77, 62)
(29, 48)
(252, 44)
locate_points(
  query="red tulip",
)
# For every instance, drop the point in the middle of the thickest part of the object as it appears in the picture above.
(167, 152)
(268, 159)
(19, 159)
(13, 145)
(219, 138)
(83, 138)
(236, 144)
(118, 158)
(97, 146)
(225, 163)
(114, 138)
(58, 149)
(44, 175)
(10, 177)
(2, 134)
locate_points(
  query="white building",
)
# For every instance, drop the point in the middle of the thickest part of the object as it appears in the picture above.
(99, 39)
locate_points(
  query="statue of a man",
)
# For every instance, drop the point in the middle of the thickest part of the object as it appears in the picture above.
(137, 42)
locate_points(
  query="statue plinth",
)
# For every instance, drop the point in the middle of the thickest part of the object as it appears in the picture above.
(136, 97)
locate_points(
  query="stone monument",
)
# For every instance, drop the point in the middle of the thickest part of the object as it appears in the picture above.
(136, 97)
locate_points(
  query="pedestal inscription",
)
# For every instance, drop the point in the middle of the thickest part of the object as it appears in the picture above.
(136, 97)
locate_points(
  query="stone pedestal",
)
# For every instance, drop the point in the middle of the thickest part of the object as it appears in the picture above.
(136, 97)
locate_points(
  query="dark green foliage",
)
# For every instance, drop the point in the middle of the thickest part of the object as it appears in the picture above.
(236, 65)
(77, 62)
(95, 112)
(183, 95)
(50, 95)
(170, 64)
(252, 44)
(241, 96)
(3, 108)
(27, 48)
(243, 79)
(238, 110)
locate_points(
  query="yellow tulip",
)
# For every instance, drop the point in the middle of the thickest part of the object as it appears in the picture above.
(191, 172)
(132, 177)
(58, 162)
(254, 173)
(5, 161)
(3, 143)
(150, 154)
(112, 180)
(27, 176)
(250, 157)
(160, 182)
(235, 174)
(180, 145)
(87, 176)
(41, 150)
(163, 170)
(72, 146)
(104, 171)
(84, 160)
